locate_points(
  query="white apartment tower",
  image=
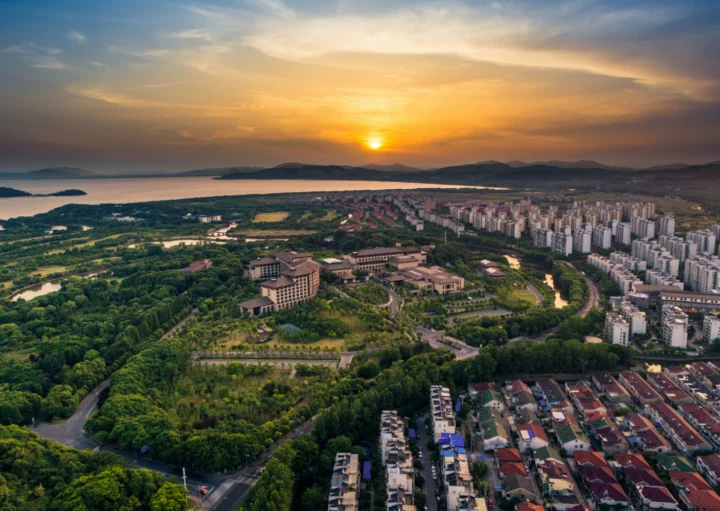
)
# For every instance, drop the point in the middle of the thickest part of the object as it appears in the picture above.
(617, 330)
(674, 327)
(602, 236)
(667, 225)
(711, 328)
(582, 240)
(623, 234)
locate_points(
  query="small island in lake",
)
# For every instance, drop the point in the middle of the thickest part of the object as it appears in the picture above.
(6, 193)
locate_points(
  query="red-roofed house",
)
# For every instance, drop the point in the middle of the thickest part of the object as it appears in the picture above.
(680, 432)
(700, 500)
(709, 466)
(640, 390)
(509, 469)
(508, 455)
(589, 459)
(531, 437)
(610, 494)
(656, 497)
(597, 474)
(529, 506)
(635, 461)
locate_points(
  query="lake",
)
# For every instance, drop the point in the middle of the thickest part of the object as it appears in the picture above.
(123, 191)
(38, 290)
(559, 302)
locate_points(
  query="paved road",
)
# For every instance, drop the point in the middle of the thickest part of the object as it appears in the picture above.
(434, 338)
(72, 432)
(430, 483)
(538, 296)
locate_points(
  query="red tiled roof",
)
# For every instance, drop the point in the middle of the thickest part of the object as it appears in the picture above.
(508, 454)
(631, 461)
(656, 494)
(689, 480)
(611, 491)
(597, 474)
(642, 477)
(703, 500)
(593, 459)
(508, 469)
(536, 430)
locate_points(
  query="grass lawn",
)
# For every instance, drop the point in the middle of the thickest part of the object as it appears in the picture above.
(257, 233)
(524, 294)
(277, 216)
(329, 216)
(44, 271)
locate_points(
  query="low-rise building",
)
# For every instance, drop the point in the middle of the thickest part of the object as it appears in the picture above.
(441, 409)
(531, 437)
(687, 440)
(198, 266)
(344, 483)
(641, 391)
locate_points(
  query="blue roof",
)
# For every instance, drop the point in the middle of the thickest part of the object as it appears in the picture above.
(458, 405)
(411, 433)
(447, 453)
(457, 440)
(366, 470)
(480, 457)
(460, 450)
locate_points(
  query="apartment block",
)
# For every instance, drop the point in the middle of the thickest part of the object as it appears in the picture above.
(674, 327)
(617, 330)
(642, 227)
(711, 328)
(634, 317)
(398, 462)
(705, 239)
(344, 483)
(602, 237)
(582, 240)
(441, 407)
(667, 225)
(702, 273)
(623, 234)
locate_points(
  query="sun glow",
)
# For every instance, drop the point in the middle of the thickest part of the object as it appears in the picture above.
(375, 143)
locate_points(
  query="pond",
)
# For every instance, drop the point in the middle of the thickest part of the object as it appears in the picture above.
(38, 290)
(559, 302)
(514, 262)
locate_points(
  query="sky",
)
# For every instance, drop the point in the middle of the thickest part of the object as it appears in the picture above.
(168, 85)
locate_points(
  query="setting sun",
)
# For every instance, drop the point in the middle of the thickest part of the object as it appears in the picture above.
(375, 143)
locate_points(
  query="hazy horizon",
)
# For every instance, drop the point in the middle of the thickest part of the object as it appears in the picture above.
(151, 86)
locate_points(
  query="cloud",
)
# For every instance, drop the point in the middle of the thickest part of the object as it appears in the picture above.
(589, 37)
(40, 57)
(76, 36)
(158, 52)
(194, 33)
(272, 7)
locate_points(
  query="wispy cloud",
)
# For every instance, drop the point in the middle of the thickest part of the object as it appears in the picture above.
(76, 36)
(47, 62)
(157, 52)
(272, 7)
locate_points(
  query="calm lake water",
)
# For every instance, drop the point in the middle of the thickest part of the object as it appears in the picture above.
(39, 290)
(123, 191)
(559, 302)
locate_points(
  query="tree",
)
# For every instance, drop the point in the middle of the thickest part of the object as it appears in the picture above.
(480, 469)
(170, 497)
(313, 499)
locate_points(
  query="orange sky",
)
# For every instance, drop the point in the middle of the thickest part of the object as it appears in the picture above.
(259, 82)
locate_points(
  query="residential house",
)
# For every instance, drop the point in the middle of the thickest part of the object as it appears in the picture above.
(611, 390)
(641, 391)
(531, 437)
(677, 429)
(709, 466)
(571, 438)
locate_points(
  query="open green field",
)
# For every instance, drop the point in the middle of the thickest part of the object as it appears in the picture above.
(524, 294)
(44, 271)
(277, 216)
